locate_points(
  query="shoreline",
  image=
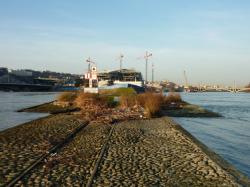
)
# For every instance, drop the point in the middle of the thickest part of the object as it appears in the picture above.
(188, 110)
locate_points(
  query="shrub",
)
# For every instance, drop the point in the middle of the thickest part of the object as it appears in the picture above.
(151, 103)
(67, 97)
(172, 98)
(128, 100)
(111, 102)
(86, 99)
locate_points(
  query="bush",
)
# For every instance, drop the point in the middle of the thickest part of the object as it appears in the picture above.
(128, 100)
(172, 98)
(67, 97)
(90, 99)
(151, 102)
(111, 102)
(86, 99)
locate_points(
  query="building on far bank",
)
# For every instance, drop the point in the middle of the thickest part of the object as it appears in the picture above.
(123, 76)
(46, 81)
(3, 71)
(21, 73)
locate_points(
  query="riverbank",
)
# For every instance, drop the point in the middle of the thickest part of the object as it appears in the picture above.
(144, 152)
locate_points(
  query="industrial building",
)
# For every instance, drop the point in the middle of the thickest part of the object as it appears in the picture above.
(123, 76)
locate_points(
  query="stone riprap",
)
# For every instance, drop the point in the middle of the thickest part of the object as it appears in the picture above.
(22, 145)
(139, 153)
(73, 164)
(154, 153)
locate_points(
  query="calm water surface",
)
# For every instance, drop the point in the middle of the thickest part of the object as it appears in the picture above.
(10, 102)
(228, 136)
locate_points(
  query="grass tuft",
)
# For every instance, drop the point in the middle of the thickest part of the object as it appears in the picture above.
(67, 97)
(118, 92)
(151, 102)
(172, 98)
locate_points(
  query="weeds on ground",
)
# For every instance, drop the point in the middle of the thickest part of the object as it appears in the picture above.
(151, 102)
(67, 97)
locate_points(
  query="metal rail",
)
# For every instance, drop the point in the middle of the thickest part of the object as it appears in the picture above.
(99, 159)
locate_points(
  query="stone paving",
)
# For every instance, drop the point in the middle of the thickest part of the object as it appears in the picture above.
(139, 153)
(71, 166)
(22, 145)
(153, 153)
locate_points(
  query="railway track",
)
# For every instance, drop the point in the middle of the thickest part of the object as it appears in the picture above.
(99, 159)
(51, 151)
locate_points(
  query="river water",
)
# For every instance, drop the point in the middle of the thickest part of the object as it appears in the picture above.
(10, 102)
(228, 136)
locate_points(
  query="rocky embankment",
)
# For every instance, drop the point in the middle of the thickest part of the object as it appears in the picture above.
(22, 145)
(152, 152)
(155, 153)
(73, 164)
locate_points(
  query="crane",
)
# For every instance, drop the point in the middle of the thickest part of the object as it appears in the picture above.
(146, 57)
(89, 61)
(152, 72)
(186, 80)
(121, 59)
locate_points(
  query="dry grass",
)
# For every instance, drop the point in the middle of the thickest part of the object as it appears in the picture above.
(151, 102)
(67, 97)
(118, 92)
(127, 101)
(84, 100)
(88, 100)
(172, 98)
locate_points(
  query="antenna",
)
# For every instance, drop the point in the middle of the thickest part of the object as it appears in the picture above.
(121, 59)
(146, 57)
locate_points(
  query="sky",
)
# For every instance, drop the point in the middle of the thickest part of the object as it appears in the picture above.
(208, 39)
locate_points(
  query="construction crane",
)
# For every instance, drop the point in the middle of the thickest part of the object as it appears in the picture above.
(235, 87)
(89, 61)
(152, 72)
(120, 60)
(146, 57)
(186, 80)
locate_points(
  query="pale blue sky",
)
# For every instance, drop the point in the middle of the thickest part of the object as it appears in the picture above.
(209, 39)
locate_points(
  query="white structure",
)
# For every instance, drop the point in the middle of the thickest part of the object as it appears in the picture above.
(91, 77)
(136, 83)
